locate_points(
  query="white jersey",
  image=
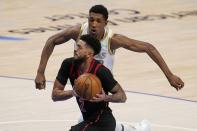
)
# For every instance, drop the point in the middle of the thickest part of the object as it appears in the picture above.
(106, 55)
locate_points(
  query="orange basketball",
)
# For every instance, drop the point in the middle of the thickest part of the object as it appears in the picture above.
(88, 85)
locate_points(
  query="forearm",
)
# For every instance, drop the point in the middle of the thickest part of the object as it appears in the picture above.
(46, 53)
(60, 95)
(115, 98)
(156, 56)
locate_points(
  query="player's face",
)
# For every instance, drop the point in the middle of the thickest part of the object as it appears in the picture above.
(82, 51)
(97, 24)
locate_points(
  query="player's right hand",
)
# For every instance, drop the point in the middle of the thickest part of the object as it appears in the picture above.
(40, 81)
(176, 82)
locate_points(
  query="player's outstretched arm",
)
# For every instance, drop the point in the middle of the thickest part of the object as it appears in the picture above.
(59, 38)
(144, 47)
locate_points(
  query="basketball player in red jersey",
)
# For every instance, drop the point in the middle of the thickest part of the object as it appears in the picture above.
(96, 113)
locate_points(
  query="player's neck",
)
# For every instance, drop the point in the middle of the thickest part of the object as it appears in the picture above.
(86, 65)
(100, 37)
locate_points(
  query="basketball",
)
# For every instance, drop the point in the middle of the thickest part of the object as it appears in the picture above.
(88, 85)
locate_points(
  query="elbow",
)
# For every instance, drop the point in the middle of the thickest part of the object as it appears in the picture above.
(51, 41)
(149, 47)
(124, 99)
(54, 97)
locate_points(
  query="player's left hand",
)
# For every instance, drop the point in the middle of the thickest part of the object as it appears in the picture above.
(176, 82)
(99, 97)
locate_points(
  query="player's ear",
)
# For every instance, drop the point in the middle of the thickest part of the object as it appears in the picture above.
(91, 53)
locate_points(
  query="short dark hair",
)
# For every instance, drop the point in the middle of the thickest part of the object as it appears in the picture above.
(99, 9)
(92, 42)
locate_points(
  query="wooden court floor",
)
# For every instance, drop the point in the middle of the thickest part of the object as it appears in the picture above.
(169, 25)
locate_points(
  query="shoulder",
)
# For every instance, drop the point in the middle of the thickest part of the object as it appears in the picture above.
(103, 71)
(117, 40)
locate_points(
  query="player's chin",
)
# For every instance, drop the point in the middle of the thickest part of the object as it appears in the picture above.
(92, 100)
(94, 34)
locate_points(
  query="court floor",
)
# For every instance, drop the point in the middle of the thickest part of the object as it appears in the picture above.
(24, 108)
(169, 25)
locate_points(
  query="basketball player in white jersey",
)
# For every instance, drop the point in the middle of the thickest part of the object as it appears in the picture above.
(97, 27)
(106, 56)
